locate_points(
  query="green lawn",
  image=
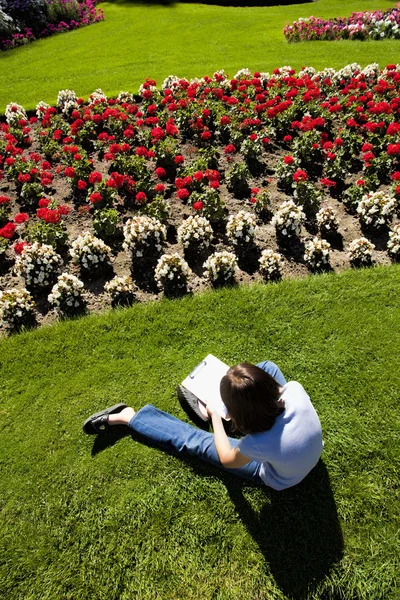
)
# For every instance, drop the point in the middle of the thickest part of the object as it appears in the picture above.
(137, 40)
(114, 519)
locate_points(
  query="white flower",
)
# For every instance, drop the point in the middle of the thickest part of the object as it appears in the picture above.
(220, 265)
(360, 251)
(89, 251)
(195, 230)
(270, 264)
(142, 234)
(37, 264)
(241, 227)
(317, 253)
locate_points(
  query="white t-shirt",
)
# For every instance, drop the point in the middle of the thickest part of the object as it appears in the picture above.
(293, 446)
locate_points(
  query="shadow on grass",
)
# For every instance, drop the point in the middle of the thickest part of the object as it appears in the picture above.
(297, 530)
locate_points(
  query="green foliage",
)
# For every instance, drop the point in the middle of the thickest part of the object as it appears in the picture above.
(105, 222)
(158, 208)
(238, 179)
(54, 234)
(213, 205)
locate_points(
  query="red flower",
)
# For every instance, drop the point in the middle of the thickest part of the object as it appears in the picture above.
(69, 172)
(157, 133)
(111, 183)
(95, 177)
(4, 199)
(395, 177)
(160, 172)
(206, 135)
(368, 156)
(255, 191)
(21, 218)
(179, 159)
(214, 184)
(225, 120)
(8, 231)
(198, 176)
(24, 177)
(64, 209)
(253, 137)
(118, 178)
(253, 200)
(183, 194)
(141, 198)
(82, 185)
(198, 205)
(43, 202)
(287, 138)
(230, 149)
(300, 175)
(360, 182)
(159, 188)
(328, 182)
(288, 160)
(393, 149)
(95, 197)
(19, 246)
(367, 147)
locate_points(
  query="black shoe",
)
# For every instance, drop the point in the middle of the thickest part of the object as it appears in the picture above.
(99, 421)
(190, 404)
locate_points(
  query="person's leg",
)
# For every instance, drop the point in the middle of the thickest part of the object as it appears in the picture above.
(273, 370)
(173, 434)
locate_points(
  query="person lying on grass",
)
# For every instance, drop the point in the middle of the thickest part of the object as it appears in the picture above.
(282, 433)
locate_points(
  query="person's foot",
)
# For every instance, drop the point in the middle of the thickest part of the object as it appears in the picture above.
(98, 422)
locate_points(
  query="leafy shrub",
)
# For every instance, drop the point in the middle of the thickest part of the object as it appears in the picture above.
(241, 228)
(172, 273)
(220, 267)
(317, 253)
(38, 264)
(90, 253)
(16, 308)
(195, 233)
(66, 295)
(271, 264)
(360, 252)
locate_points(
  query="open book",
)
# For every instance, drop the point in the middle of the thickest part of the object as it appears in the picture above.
(204, 383)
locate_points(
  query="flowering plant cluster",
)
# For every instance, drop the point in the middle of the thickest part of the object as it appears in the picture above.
(90, 253)
(376, 209)
(56, 16)
(360, 252)
(16, 308)
(144, 235)
(373, 25)
(271, 264)
(394, 242)
(241, 228)
(121, 290)
(317, 253)
(220, 267)
(38, 264)
(67, 294)
(207, 148)
(172, 273)
(288, 219)
(327, 221)
(195, 233)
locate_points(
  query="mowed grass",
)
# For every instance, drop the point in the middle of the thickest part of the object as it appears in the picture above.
(189, 40)
(112, 518)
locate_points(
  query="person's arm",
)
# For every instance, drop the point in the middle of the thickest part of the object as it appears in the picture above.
(230, 457)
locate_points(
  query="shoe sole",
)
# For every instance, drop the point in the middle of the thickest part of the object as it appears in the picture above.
(107, 411)
(188, 401)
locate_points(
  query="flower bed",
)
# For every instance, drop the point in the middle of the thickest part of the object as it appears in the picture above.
(25, 21)
(199, 168)
(369, 25)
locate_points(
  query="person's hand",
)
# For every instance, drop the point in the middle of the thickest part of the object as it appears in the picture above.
(211, 411)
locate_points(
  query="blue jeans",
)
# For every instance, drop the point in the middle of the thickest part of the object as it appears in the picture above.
(173, 434)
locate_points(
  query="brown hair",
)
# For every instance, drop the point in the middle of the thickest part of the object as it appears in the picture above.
(252, 398)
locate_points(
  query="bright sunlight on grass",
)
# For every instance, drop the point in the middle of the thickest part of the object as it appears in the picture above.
(115, 519)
